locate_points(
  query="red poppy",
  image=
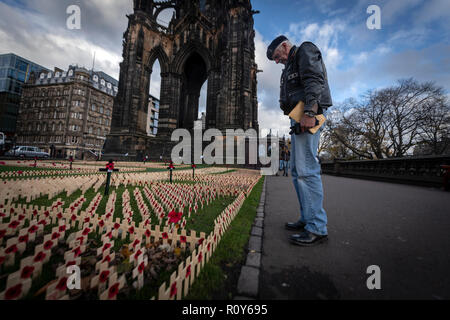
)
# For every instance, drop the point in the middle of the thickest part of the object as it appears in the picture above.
(101, 223)
(13, 224)
(200, 241)
(71, 263)
(72, 208)
(62, 284)
(11, 249)
(47, 213)
(86, 220)
(141, 267)
(104, 276)
(182, 239)
(2, 214)
(148, 233)
(107, 258)
(62, 228)
(48, 245)
(55, 235)
(173, 289)
(27, 272)
(200, 257)
(131, 230)
(2, 259)
(174, 217)
(43, 222)
(23, 238)
(106, 246)
(76, 251)
(113, 291)
(59, 203)
(21, 217)
(13, 292)
(19, 172)
(81, 239)
(165, 235)
(86, 231)
(2, 233)
(137, 254)
(116, 226)
(109, 234)
(188, 271)
(40, 257)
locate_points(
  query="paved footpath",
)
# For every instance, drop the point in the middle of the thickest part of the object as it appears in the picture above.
(403, 229)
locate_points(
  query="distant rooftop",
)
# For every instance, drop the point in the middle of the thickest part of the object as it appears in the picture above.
(98, 79)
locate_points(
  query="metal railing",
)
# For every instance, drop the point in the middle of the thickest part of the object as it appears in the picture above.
(425, 170)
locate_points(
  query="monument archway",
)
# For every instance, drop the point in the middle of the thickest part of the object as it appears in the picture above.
(205, 40)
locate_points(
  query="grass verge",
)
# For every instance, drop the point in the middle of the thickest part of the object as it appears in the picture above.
(219, 277)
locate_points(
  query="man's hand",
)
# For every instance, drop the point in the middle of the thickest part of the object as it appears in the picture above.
(307, 122)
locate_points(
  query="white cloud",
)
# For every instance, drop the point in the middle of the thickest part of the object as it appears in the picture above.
(32, 35)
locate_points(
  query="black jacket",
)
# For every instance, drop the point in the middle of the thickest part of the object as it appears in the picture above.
(304, 78)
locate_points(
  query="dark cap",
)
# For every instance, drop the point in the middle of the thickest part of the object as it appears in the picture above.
(275, 43)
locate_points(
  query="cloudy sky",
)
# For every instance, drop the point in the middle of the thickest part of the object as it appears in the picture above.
(414, 41)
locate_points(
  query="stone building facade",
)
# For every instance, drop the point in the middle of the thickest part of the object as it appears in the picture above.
(153, 116)
(67, 113)
(209, 40)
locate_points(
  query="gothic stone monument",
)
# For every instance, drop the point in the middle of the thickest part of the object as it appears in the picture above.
(206, 40)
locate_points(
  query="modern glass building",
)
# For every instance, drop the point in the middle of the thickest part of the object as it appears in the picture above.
(14, 72)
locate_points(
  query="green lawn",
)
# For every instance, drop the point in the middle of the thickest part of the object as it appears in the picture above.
(219, 277)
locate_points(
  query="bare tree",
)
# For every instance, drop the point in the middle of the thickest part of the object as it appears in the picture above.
(405, 103)
(435, 125)
(389, 122)
(347, 130)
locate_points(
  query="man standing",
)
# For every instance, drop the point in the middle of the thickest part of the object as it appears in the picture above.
(304, 78)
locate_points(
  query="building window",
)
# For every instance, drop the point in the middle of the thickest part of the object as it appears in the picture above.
(93, 107)
(101, 110)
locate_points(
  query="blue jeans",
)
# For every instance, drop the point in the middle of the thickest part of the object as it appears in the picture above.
(307, 180)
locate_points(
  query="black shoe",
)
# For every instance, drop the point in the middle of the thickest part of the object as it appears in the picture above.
(307, 238)
(297, 226)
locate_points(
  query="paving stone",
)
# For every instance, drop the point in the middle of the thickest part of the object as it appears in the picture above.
(253, 259)
(259, 222)
(256, 231)
(260, 215)
(248, 282)
(255, 244)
